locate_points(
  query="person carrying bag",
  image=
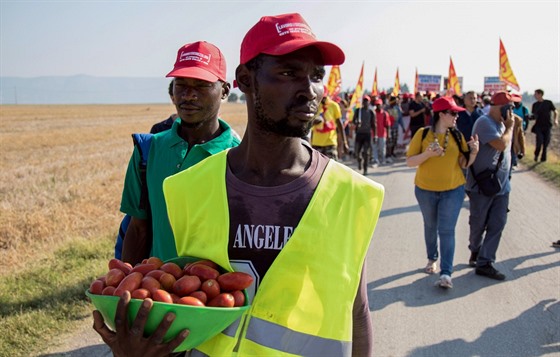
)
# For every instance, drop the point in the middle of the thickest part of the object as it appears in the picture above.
(487, 181)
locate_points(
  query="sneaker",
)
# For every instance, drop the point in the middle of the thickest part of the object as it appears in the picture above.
(472, 259)
(444, 282)
(490, 272)
(556, 244)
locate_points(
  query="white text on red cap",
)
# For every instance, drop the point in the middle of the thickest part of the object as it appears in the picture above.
(293, 27)
(195, 56)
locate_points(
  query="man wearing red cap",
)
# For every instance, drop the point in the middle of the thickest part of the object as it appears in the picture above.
(488, 209)
(272, 207)
(380, 137)
(199, 86)
(518, 136)
(328, 130)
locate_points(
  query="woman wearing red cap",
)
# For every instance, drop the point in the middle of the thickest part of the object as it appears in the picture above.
(440, 151)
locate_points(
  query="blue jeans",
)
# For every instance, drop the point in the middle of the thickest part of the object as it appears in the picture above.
(440, 211)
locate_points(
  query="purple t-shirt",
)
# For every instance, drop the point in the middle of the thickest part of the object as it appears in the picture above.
(262, 219)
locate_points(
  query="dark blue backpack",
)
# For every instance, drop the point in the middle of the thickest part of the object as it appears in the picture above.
(142, 142)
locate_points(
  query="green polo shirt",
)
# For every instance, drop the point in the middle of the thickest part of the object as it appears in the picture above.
(169, 154)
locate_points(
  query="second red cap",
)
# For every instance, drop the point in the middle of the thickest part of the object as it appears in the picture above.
(200, 60)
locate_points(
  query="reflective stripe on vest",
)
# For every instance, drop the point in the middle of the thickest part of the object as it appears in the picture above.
(283, 339)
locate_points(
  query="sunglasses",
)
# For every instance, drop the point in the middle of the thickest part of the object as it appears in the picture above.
(451, 112)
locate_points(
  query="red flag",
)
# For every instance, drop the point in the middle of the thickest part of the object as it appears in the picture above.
(453, 85)
(374, 89)
(397, 86)
(334, 82)
(506, 74)
(416, 81)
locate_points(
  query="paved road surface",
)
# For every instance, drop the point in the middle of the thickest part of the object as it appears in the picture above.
(478, 317)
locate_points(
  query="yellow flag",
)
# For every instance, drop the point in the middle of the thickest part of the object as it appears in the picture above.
(356, 101)
(506, 74)
(374, 89)
(334, 82)
(397, 86)
(416, 82)
(453, 85)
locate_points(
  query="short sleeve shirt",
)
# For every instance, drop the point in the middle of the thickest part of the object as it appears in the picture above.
(542, 111)
(487, 130)
(169, 154)
(262, 219)
(439, 173)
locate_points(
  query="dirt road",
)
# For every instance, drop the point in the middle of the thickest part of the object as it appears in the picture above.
(478, 317)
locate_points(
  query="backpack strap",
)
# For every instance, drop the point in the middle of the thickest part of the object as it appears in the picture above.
(425, 131)
(143, 143)
(458, 136)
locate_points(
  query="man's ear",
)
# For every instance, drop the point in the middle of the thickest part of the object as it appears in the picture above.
(226, 87)
(243, 78)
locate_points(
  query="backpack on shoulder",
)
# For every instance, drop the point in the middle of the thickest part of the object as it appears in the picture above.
(142, 142)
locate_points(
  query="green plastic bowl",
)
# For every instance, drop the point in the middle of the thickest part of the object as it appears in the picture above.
(203, 322)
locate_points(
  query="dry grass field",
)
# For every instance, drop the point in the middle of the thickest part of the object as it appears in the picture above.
(63, 168)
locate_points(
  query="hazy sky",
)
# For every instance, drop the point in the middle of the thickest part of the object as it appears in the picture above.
(141, 38)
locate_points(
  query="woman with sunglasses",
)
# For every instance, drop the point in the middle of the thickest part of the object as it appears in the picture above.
(440, 152)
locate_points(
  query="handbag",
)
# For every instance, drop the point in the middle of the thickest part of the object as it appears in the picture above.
(487, 180)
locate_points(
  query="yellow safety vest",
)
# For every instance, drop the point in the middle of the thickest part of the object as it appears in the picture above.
(304, 303)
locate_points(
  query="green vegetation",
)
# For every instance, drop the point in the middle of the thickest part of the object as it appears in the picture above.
(48, 298)
(549, 170)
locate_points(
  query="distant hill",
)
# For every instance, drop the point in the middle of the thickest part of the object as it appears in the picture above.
(83, 89)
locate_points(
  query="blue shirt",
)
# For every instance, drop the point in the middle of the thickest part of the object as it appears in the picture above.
(466, 120)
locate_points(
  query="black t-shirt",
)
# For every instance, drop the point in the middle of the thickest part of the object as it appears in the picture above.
(163, 125)
(542, 111)
(364, 120)
(417, 120)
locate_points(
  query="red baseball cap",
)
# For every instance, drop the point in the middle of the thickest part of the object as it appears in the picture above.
(446, 103)
(283, 34)
(516, 98)
(378, 102)
(501, 98)
(200, 60)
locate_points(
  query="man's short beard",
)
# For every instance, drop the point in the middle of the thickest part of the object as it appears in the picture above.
(280, 127)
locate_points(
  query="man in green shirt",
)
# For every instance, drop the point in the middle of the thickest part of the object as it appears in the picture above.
(199, 87)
